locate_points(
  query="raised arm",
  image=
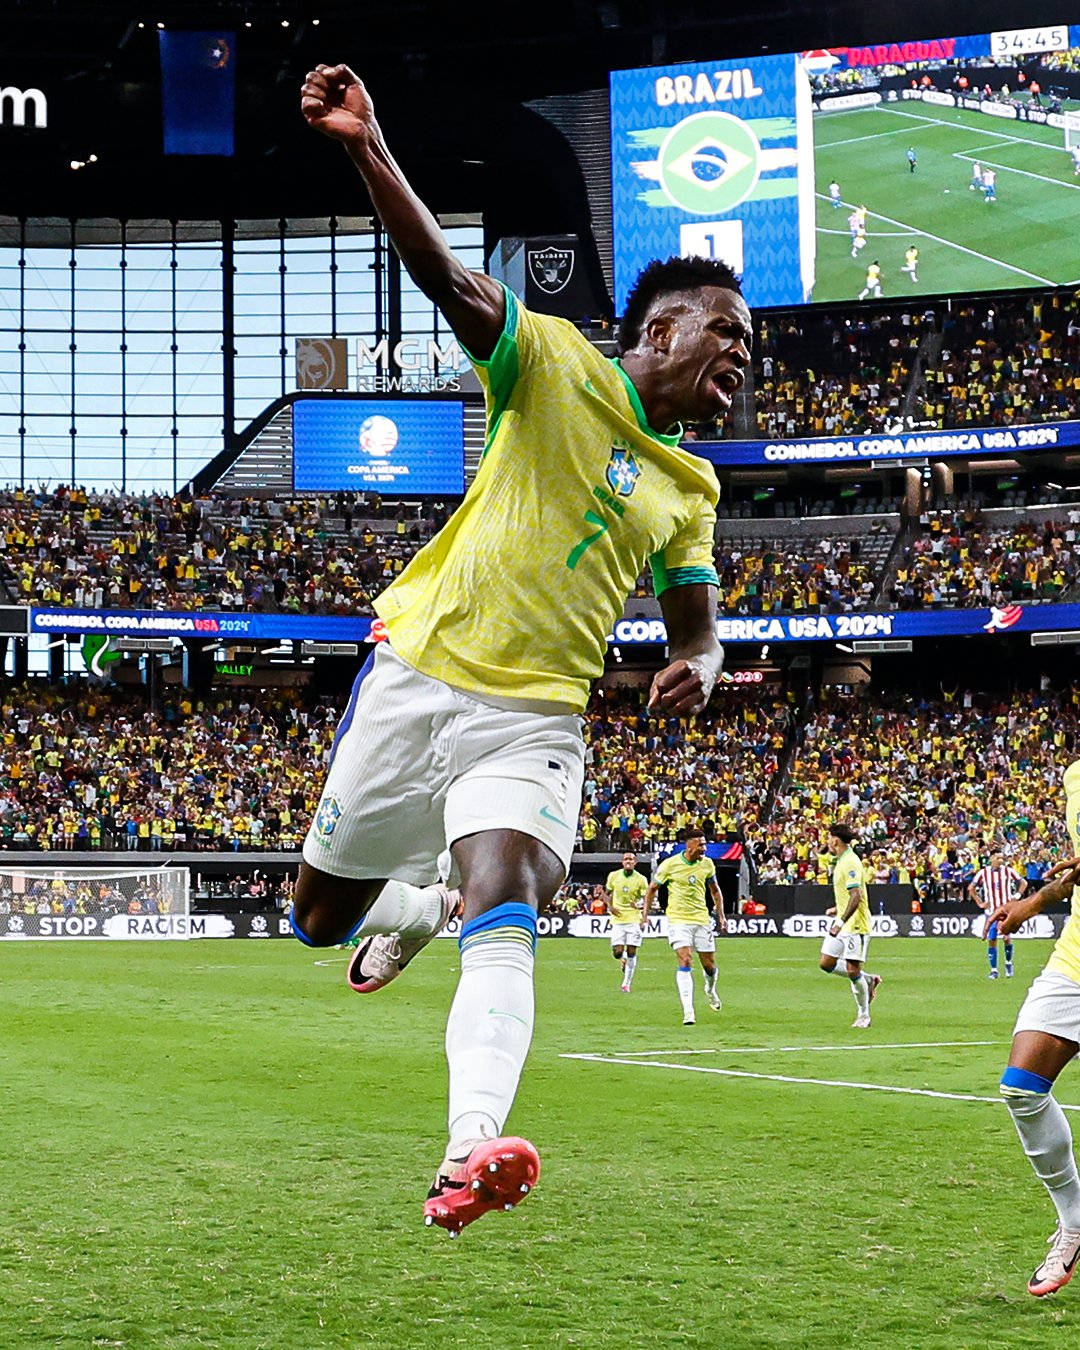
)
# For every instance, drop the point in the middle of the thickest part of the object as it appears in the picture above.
(335, 102)
(686, 684)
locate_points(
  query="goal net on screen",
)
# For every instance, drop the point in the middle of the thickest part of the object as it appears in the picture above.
(1072, 129)
(91, 902)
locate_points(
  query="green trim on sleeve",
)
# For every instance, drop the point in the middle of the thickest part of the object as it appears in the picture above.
(502, 367)
(658, 567)
(665, 577)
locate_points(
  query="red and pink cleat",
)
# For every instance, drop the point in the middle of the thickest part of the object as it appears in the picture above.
(498, 1174)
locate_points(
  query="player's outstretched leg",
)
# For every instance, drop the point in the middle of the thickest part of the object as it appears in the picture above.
(402, 921)
(495, 1175)
(506, 876)
(629, 966)
(992, 957)
(329, 909)
(1047, 1140)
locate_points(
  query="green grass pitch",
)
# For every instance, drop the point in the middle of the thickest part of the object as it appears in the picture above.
(1029, 237)
(216, 1144)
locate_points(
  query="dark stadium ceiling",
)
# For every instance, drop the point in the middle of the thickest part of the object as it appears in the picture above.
(449, 80)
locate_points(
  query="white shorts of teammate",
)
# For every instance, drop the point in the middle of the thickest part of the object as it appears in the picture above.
(846, 946)
(1052, 1006)
(626, 935)
(699, 936)
(418, 764)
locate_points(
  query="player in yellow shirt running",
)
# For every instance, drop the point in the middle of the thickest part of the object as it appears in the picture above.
(844, 950)
(626, 893)
(1045, 1039)
(690, 877)
(460, 753)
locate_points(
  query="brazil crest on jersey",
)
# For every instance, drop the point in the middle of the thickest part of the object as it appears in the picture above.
(626, 895)
(574, 497)
(688, 884)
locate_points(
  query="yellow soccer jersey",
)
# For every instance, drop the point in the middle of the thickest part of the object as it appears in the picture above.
(1065, 958)
(626, 894)
(515, 596)
(687, 884)
(847, 872)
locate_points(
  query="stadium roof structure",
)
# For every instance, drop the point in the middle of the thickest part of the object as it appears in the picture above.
(451, 80)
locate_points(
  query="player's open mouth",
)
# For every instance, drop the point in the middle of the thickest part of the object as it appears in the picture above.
(726, 385)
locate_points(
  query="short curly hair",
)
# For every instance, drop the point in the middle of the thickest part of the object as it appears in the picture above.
(669, 278)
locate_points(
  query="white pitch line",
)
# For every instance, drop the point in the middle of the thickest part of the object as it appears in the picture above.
(797, 1049)
(874, 136)
(1006, 168)
(962, 126)
(949, 243)
(334, 961)
(808, 1082)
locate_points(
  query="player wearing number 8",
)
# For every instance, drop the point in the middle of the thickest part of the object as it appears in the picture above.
(462, 742)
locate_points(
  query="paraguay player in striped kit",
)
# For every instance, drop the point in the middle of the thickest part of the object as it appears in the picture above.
(996, 884)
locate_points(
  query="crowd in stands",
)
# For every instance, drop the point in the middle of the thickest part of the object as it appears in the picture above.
(962, 558)
(1014, 359)
(88, 767)
(796, 575)
(930, 786)
(647, 776)
(65, 546)
(834, 374)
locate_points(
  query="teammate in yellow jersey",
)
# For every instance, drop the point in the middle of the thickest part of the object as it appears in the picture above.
(911, 263)
(844, 950)
(460, 754)
(1046, 1037)
(626, 894)
(690, 877)
(872, 285)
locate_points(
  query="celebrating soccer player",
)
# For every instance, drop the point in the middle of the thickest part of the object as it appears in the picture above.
(626, 890)
(849, 933)
(461, 750)
(690, 877)
(1046, 1037)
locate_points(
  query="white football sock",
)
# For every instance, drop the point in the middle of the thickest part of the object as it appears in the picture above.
(710, 980)
(401, 908)
(861, 990)
(1047, 1139)
(487, 1039)
(684, 982)
(628, 969)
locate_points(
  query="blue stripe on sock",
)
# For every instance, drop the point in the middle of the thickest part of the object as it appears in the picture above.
(509, 915)
(686, 968)
(1025, 1080)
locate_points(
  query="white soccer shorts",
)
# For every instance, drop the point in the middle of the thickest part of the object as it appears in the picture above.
(626, 935)
(699, 936)
(847, 946)
(1052, 1005)
(418, 764)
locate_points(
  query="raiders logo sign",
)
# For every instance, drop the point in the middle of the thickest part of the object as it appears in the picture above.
(551, 268)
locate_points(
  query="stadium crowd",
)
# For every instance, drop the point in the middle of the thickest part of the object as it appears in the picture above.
(89, 766)
(1016, 359)
(961, 559)
(315, 555)
(831, 374)
(931, 786)
(648, 777)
